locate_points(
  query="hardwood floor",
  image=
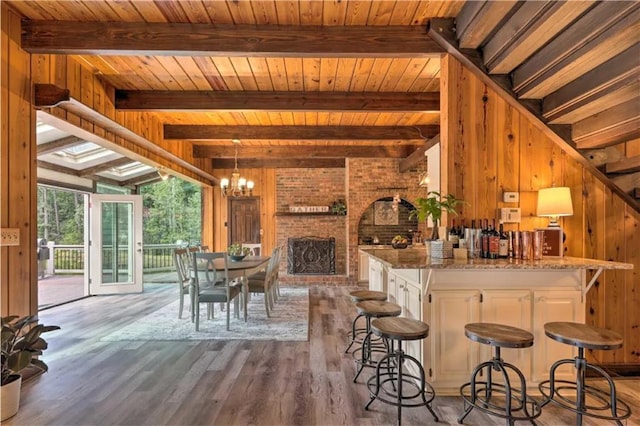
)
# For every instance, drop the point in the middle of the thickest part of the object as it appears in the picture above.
(218, 382)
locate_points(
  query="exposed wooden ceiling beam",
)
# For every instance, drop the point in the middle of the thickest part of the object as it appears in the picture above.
(269, 163)
(608, 28)
(417, 157)
(146, 178)
(59, 144)
(171, 100)
(477, 20)
(442, 31)
(58, 168)
(106, 166)
(622, 70)
(49, 95)
(609, 127)
(181, 39)
(529, 28)
(628, 165)
(365, 133)
(281, 152)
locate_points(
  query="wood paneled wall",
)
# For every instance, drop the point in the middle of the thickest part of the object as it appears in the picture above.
(18, 268)
(489, 148)
(215, 213)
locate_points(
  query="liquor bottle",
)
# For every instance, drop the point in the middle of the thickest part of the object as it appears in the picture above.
(494, 241)
(462, 243)
(484, 239)
(453, 234)
(503, 251)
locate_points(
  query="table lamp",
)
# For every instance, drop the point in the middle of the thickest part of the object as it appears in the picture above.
(553, 203)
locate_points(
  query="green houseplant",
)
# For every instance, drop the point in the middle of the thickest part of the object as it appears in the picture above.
(237, 252)
(432, 207)
(339, 207)
(21, 344)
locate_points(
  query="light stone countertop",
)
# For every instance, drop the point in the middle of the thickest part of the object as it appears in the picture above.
(416, 258)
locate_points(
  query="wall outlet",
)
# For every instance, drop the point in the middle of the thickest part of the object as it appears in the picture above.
(511, 197)
(10, 237)
(510, 215)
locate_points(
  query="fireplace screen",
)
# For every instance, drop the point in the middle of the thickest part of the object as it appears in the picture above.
(311, 256)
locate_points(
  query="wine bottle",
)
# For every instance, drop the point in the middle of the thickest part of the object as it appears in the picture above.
(494, 241)
(503, 251)
(453, 234)
(484, 239)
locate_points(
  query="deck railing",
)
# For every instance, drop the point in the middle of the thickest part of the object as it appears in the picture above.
(69, 259)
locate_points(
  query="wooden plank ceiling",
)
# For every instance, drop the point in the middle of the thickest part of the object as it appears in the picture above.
(345, 64)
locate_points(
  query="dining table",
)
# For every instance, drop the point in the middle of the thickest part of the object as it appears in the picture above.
(242, 269)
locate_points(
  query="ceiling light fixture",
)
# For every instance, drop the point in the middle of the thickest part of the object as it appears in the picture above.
(236, 186)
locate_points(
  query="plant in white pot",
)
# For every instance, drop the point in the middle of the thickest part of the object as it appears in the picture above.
(21, 344)
(432, 207)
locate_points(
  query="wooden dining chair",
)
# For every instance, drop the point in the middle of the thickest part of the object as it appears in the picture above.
(256, 248)
(262, 282)
(211, 286)
(181, 260)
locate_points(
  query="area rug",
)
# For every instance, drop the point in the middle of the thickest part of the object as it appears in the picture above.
(289, 321)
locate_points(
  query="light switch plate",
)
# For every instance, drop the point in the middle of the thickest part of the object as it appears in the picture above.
(510, 215)
(10, 236)
(511, 197)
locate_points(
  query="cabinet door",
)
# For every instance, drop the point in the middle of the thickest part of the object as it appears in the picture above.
(363, 267)
(395, 290)
(452, 356)
(509, 307)
(375, 275)
(413, 309)
(548, 306)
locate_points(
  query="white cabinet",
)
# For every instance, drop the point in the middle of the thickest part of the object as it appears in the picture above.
(451, 356)
(404, 288)
(377, 276)
(363, 267)
(548, 306)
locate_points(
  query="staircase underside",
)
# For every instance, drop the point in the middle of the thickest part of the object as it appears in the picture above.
(571, 67)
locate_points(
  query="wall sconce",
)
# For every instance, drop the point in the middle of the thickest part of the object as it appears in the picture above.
(553, 203)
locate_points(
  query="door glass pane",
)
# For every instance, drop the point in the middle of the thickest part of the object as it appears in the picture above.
(117, 243)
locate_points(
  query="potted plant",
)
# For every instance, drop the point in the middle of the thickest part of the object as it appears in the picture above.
(21, 343)
(432, 207)
(236, 252)
(339, 207)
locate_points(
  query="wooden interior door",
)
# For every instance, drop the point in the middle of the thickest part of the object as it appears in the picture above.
(244, 220)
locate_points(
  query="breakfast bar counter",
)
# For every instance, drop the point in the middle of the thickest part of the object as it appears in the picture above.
(449, 293)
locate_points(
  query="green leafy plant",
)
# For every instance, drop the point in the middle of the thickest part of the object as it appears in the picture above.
(432, 207)
(339, 207)
(21, 344)
(236, 249)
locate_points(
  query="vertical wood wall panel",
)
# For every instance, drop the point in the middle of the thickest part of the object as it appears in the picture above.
(500, 149)
(19, 274)
(4, 156)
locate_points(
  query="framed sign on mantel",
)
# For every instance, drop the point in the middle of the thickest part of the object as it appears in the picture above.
(553, 241)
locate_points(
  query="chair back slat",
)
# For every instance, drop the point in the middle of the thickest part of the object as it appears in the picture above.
(204, 269)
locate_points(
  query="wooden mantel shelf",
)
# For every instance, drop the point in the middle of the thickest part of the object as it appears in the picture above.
(308, 214)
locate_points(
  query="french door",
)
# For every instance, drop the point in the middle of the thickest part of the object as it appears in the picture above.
(115, 244)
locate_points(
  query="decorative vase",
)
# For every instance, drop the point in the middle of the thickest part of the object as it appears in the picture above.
(10, 398)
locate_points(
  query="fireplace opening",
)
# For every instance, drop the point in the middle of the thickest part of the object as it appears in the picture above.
(311, 256)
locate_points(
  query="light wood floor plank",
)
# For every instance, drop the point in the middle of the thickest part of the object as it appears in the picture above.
(91, 382)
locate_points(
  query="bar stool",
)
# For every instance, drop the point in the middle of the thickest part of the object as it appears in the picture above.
(389, 386)
(478, 394)
(363, 355)
(583, 336)
(356, 334)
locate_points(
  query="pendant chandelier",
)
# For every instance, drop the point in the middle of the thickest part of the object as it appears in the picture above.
(237, 186)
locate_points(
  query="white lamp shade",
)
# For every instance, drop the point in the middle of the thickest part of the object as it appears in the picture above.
(555, 201)
(224, 182)
(250, 184)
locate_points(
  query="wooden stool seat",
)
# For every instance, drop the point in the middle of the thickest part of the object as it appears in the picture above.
(400, 328)
(378, 309)
(583, 335)
(500, 335)
(362, 295)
